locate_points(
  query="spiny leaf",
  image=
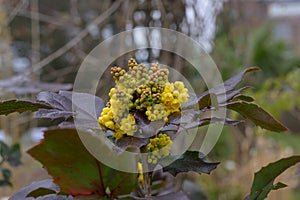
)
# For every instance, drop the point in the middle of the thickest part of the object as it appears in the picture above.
(15, 105)
(264, 178)
(189, 161)
(222, 98)
(220, 90)
(55, 100)
(74, 169)
(24, 192)
(243, 98)
(207, 121)
(231, 83)
(257, 115)
(64, 107)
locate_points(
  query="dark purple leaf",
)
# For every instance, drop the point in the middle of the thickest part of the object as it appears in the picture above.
(82, 98)
(257, 115)
(62, 102)
(206, 121)
(231, 83)
(189, 161)
(185, 116)
(52, 114)
(174, 196)
(55, 100)
(169, 127)
(222, 98)
(243, 98)
(146, 127)
(219, 90)
(15, 105)
(24, 192)
(131, 142)
(208, 100)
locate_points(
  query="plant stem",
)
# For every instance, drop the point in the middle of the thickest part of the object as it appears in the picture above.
(101, 188)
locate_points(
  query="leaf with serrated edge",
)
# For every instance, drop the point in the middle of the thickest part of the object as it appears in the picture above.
(228, 86)
(74, 169)
(189, 161)
(22, 193)
(257, 115)
(264, 178)
(15, 105)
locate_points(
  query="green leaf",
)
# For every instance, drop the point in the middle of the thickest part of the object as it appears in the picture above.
(189, 161)
(4, 149)
(257, 115)
(264, 178)
(15, 105)
(74, 169)
(14, 155)
(4, 183)
(6, 173)
(278, 186)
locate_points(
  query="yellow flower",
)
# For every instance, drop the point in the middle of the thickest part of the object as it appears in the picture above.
(156, 112)
(141, 175)
(163, 143)
(128, 125)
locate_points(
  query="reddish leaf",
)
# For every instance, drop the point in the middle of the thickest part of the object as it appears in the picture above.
(74, 169)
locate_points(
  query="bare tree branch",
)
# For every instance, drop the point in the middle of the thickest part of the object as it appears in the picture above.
(16, 10)
(77, 38)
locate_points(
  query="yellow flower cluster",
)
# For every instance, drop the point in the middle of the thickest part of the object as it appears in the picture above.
(107, 118)
(140, 89)
(159, 147)
(157, 112)
(117, 117)
(173, 96)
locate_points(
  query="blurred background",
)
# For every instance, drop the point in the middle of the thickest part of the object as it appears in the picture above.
(43, 43)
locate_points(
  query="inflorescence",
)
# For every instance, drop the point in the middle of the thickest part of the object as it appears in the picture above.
(144, 90)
